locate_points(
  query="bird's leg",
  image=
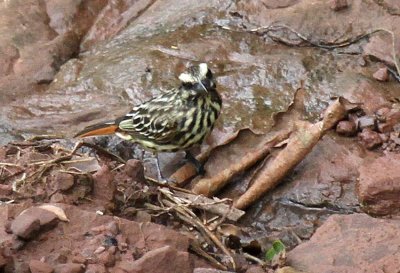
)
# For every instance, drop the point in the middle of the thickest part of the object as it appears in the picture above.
(159, 174)
(197, 164)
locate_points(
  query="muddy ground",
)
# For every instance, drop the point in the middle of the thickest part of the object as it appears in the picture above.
(68, 64)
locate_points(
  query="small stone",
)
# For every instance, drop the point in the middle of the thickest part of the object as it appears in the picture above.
(142, 217)
(25, 226)
(40, 267)
(369, 139)
(366, 122)
(99, 250)
(79, 259)
(392, 119)
(337, 5)
(381, 74)
(346, 128)
(69, 268)
(384, 137)
(98, 229)
(112, 228)
(107, 259)
(134, 169)
(5, 190)
(381, 114)
(57, 198)
(112, 249)
(64, 181)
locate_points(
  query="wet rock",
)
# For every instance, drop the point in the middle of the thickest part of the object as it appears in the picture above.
(366, 122)
(5, 190)
(350, 243)
(378, 187)
(40, 267)
(63, 181)
(134, 169)
(159, 261)
(30, 221)
(382, 74)
(69, 268)
(337, 5)
(369, 139)
(346, 128)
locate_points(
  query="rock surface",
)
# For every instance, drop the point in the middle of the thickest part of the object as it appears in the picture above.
(378, 187)
(350, 244)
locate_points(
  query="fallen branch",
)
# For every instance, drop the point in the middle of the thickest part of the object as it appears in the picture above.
(299, 145)
(209, 186)
(187, 171)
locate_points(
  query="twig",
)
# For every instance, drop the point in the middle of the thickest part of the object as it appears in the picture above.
(254, 259)
(187, 171)
(210, 186)
(199, 251)
(81, 143)
(188, 216)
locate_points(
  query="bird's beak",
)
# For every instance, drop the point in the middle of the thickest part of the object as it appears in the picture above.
(202, 85)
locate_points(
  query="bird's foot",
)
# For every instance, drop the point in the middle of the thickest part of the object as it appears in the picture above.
(197, 164)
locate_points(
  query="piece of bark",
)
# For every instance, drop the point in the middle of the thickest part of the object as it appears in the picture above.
(210, 186)
(299, 145)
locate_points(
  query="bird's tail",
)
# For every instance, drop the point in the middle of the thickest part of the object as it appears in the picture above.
(103, 128)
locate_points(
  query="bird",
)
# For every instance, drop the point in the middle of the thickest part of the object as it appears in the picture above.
(176, 120)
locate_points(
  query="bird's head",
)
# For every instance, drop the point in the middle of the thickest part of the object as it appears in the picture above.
(198, 77)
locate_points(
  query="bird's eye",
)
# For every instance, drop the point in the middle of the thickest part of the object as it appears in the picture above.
(209, 74)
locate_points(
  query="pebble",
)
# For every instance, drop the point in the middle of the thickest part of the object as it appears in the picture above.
(99, 250)
(25, 226)
(382, 74)
(36, 266)
(5, 189)
(134, 169)
(369, 139)
(64, 181)
(366, 122)
(107, 259)
(346, 128)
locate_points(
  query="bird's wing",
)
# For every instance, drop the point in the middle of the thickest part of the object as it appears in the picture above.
(153, 120)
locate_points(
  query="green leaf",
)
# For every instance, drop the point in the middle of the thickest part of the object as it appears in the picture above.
(276, 249)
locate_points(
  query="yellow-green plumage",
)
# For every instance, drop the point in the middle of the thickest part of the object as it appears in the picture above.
(175, 120)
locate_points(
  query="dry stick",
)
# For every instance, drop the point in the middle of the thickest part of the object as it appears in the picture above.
(209, 186)
(187, 171)
(299, 145)
(186, 217)
(199, 251)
